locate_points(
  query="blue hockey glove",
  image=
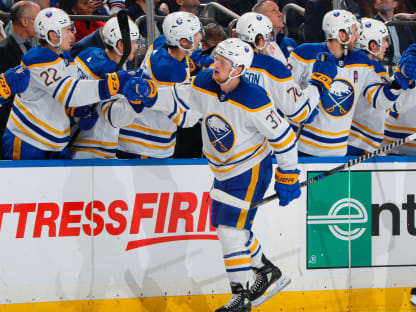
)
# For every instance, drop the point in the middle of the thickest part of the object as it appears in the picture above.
(287, 185)
(140, 92)
(324, 70)
(13, 81)
(405, 73)
(411, 50)
(87, 116)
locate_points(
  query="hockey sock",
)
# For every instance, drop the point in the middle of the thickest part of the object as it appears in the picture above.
(255, 249)
(237, 257)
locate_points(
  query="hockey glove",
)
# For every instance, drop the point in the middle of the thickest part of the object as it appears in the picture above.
(140, 92)
(87, 116)
(287, 185)
(13, 81)
(405, 73)
(323, 71)
(116, 81)
(411, 50)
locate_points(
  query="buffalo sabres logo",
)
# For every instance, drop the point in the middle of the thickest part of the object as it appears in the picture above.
(259, 17)
(179, 21)
(338, 101)
(368, 25)
(220, 133)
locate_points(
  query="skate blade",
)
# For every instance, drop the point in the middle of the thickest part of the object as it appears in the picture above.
(277, 286)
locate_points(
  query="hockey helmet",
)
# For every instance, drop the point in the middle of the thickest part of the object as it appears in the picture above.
(181, 25)
(112, 33)
(371, 30)
(237, 51)
(337, 20)
(51, 19)
(252, 24)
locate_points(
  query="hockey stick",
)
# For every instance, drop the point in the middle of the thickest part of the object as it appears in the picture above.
(123, 23)
(236, 202)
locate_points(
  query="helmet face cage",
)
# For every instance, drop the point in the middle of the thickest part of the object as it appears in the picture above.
(181, 25)
(371, 30)
(238, 52)
(112, 34)
(251, 24)
(337, 20)
(51, 19)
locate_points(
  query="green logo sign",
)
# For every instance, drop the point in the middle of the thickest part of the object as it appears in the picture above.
(339, 221)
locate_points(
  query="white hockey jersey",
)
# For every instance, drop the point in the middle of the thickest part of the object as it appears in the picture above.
(328, 134)
(38, 115)
(367, 129)
(101, 141)
(239, 129)
(277, 80)
(402, 124)
(153, 133)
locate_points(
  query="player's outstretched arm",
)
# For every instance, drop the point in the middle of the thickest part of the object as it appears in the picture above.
(14, 80)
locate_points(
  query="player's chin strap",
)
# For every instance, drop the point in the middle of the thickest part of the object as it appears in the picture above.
(228, 199)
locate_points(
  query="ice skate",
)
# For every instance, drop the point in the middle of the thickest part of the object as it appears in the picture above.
(269, 281)
(239, 301)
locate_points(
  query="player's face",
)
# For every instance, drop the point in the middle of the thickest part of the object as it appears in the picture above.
(353, 38)
(222, 69)
(271, 10)
(384, 46)
(68, 38)
(133, 50)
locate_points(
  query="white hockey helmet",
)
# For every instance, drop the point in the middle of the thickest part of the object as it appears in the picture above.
(181, 25)
(252, 24)
(371, 30)
(51, 19)
(337, 20)
(112, 33)
(238, 52)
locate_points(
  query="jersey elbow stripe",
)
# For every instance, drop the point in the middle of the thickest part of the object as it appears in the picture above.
(146, 144)
(361, 137)
(282, 145)
(62, 94)
(68, 100)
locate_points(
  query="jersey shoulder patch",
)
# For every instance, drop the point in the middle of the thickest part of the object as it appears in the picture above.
(271, 66)
(166, 69)
(204, 81)
(308, 51)
(250, 96)
(97, 61)
(39, 56)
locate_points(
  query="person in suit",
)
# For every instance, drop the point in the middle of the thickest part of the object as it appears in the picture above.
(17, 43)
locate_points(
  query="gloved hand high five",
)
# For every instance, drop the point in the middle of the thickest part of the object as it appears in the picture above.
(324, 70)
(140, 92)
(287, 185)
(405, 74)
(14, 80)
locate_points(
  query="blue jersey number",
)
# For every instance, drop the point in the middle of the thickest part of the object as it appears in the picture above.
(50, 75)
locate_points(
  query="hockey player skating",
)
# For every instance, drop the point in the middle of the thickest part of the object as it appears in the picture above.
(240, 129)
(102, 139)
(367, 129)
(328, 133)
(38, 127)
(271, 74)
(153, 134)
